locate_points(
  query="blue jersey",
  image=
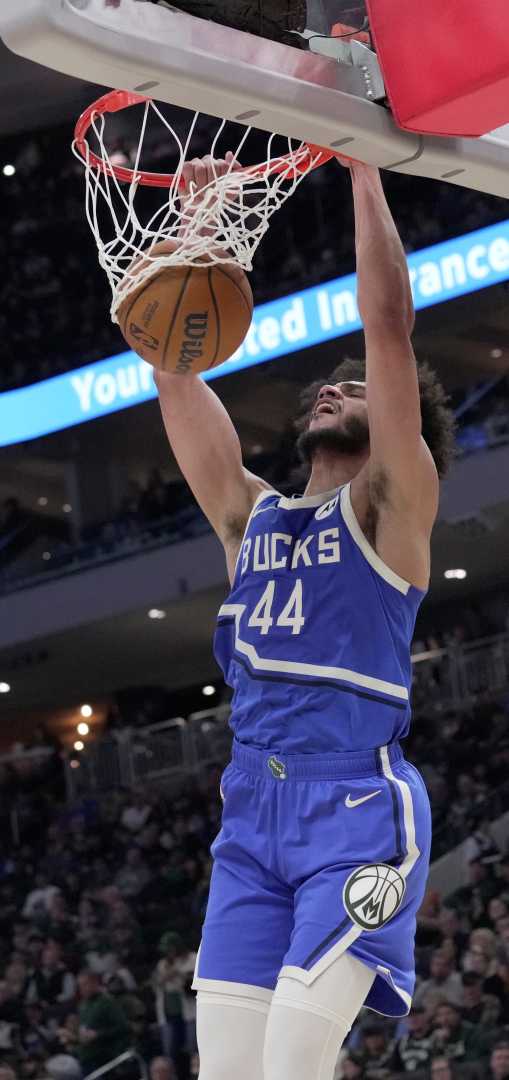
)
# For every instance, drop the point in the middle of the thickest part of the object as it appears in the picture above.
(315, 636)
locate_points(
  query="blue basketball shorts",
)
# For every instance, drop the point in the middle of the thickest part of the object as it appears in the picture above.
(316, 854)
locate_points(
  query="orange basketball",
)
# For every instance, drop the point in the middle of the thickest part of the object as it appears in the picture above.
(187, 319)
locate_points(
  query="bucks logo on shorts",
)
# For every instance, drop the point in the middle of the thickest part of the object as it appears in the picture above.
(373, 894)
(277, 768)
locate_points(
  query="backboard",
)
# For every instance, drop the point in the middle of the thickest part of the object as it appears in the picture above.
(323, 90)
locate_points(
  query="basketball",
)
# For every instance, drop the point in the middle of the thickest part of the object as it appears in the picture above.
(188, 319)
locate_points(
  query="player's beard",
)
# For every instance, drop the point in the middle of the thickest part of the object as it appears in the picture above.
(352, 437)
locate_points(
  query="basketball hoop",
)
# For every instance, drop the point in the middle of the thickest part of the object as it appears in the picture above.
(230, 215)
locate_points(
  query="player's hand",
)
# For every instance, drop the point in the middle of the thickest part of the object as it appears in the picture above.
(200, 172)
(198, 197)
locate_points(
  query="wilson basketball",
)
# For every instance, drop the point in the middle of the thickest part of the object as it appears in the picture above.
(187, 319)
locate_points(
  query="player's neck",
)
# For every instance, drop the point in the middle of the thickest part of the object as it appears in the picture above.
(331, 470)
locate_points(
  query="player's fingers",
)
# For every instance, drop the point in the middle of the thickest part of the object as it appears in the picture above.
(200, 173)
(211, 168)
(187, 176)
(232, 163)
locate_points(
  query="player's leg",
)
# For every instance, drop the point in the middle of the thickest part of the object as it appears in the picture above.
(307, 1025)
(245, 937)
(359, 881)
(231, 1035)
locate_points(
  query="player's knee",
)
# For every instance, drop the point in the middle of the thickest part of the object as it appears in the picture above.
(302, 1041)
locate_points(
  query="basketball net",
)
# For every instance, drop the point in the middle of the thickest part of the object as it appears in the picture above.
(222, 222)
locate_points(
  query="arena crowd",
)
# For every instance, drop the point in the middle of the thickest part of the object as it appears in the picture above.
(101, 903)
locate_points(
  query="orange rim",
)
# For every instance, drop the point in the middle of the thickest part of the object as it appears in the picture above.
(116, 100)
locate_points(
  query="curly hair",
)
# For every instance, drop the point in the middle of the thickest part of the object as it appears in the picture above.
(438, 423)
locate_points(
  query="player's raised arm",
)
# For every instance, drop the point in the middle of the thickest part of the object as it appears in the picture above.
(200, 431)
(208, 452)
(400, 462)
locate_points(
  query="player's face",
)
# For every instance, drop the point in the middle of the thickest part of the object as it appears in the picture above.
(338, 420)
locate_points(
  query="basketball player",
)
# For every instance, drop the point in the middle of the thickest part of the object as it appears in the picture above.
(322, 858)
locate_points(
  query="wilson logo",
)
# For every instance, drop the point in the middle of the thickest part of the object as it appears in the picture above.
(196, 326)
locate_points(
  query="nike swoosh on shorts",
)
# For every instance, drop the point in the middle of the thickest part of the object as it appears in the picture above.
(350, 803)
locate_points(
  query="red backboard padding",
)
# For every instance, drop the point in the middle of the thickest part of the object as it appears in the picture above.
(445, 63)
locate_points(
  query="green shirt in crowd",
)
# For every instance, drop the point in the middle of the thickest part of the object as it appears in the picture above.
(101, 1013)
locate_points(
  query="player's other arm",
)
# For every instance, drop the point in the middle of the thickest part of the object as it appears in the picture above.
(400, 463)
(208, 452)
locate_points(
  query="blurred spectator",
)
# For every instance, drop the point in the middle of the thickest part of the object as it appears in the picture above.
(499, 1061)
(480, 955)
(162, 1068)
(412, 1050)
(39, 899)
(63, 1067)
(442, 1068)
(376, 1051)
(476, 1006)
(133, 875)
(481, 886)
(169, 981)
(136, 813)
(456, 1038)
(51, 982)
(35, 1035)
(103, 1031)
(6, 1073)
(351, 1066)
(444, 983)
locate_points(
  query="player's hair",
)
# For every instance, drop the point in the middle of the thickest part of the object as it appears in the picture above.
(438, 423)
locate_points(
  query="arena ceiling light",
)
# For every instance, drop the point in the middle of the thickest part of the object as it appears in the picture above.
(4, 687)
(9, 170)
(459, 575)
(83, 729)
(86, 710)
(156, 613)
(79, 745)
(208, 690)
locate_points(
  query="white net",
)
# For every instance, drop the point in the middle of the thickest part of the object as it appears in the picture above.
(223, 221)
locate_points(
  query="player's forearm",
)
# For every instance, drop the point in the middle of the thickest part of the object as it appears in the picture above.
(383, 284)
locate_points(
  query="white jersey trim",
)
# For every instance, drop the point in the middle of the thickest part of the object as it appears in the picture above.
(369, 552)
(301, 502)
(295, 667)
(412, 852)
